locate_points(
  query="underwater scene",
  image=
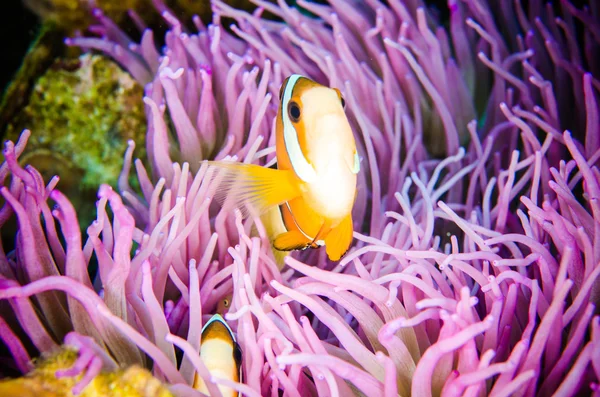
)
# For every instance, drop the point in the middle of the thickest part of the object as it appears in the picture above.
(300, 198)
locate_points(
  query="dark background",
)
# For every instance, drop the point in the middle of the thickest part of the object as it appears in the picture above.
(19, 26)
(18, 29)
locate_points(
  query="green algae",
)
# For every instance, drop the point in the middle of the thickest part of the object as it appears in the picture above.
(82, 113)
(132, 381)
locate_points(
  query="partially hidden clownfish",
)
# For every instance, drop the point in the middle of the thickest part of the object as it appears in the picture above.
(221, 354)
(313, 188)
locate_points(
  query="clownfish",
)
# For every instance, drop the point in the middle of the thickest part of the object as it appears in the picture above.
(221, 355)
(223, 305)
(313, 189)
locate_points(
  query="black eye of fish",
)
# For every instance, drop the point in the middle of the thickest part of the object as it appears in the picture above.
(343, 102)
(294, 111)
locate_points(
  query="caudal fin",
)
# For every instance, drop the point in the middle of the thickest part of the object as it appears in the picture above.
(280, 257)
(274, 226)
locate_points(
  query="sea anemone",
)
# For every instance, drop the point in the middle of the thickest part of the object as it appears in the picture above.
(474, 269)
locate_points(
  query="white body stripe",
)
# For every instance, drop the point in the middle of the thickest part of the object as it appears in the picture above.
(301, 167)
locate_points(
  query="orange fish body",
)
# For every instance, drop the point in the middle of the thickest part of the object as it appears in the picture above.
(221, 355)
(314, 185)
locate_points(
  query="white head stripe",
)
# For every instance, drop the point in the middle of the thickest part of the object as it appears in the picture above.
(220, 319)
(290, 137)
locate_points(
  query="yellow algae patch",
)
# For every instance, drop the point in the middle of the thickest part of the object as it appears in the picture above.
(133, 381)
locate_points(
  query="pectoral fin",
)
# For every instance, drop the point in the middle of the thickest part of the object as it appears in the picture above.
(290, 241)
(339, 239)
(252, 188)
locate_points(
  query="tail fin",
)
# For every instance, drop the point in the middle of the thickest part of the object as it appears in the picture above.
(274, 226)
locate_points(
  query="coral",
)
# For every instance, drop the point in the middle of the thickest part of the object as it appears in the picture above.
(83, 111)
(475, 273)
(46, 380)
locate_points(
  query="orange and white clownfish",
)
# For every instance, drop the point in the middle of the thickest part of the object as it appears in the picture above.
(221, 355)
(224, 304)
(314, 186)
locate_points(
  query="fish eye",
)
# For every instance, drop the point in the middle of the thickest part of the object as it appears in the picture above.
(294, 111)
(226, 302)
(343, 102)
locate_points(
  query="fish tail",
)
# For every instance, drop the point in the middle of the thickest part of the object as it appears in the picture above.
(274, 226)
(279, 257)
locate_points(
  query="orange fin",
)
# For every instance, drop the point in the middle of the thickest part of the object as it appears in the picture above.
(252, 188)
(339, 239)
(323, 231)
(290, 241)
